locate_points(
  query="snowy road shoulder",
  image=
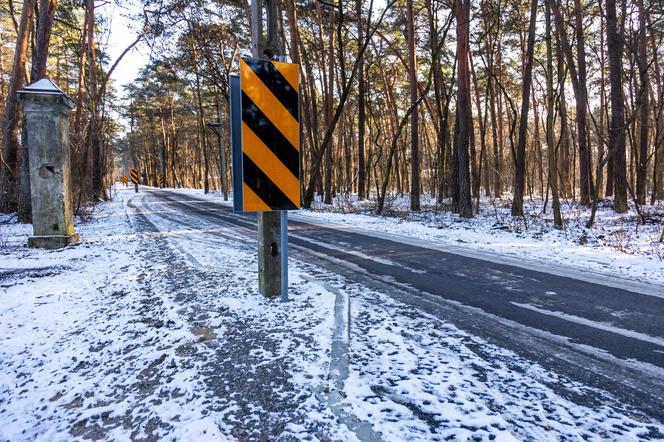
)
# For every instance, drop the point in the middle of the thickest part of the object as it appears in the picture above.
(124, 336)
(152, 327)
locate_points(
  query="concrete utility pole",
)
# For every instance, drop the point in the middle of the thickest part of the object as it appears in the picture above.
(47, 127)
(272, 226)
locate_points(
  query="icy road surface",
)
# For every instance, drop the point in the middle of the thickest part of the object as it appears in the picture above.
(152, 328)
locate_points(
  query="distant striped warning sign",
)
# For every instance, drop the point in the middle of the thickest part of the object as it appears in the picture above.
(123, 179)
(160, 179)
(134, 176)
(270, 136)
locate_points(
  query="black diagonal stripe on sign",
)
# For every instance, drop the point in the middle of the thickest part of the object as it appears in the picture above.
(270, 135)
(276, 83)
(263, 187)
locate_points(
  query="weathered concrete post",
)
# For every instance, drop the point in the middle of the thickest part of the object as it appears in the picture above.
(270, 270)
(47, 127)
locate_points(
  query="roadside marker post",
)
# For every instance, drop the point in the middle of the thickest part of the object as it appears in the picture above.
(160, 180)
(266, 159)
(265, 142)
(134, 178)
(124, 180)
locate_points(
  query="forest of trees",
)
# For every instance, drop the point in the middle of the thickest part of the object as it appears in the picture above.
(561, 100)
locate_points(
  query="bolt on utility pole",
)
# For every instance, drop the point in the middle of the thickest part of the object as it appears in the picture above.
(273, 225)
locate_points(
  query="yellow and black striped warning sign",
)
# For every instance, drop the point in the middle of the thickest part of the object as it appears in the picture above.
(123, 179)
(270, 135)
(160, 179)
(134, 176)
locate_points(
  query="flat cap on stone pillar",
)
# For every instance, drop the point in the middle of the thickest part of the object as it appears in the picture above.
(47, 110)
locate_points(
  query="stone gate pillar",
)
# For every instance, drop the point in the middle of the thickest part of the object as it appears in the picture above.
(47, 131)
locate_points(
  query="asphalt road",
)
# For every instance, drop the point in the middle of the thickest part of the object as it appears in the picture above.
(601, 336)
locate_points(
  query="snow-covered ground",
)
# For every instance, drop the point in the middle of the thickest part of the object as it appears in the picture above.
(127, 336)
(418, 376)
(617, 245)
(152, 327)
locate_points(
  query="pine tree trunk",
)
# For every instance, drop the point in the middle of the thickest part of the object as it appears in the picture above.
(585, 157)
(361, 111)
(201, 124)
(602, 111)
(95, 135)
(477, 176)
(564, 149)
(43, 37)
(609, 164)
(500, 166)
(39, 59)
(579, 84)
(520, 166)
(550, 103)
(414, 116)
(642, 167)
(463, 120)
(492, 90)
(329, 110)
(9, 163)
(617, 128)
(658, 163)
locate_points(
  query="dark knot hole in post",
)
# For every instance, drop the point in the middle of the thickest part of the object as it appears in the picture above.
(47, 170)
(274, 249)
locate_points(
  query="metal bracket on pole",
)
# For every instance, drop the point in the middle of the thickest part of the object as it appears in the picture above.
(214, 127)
